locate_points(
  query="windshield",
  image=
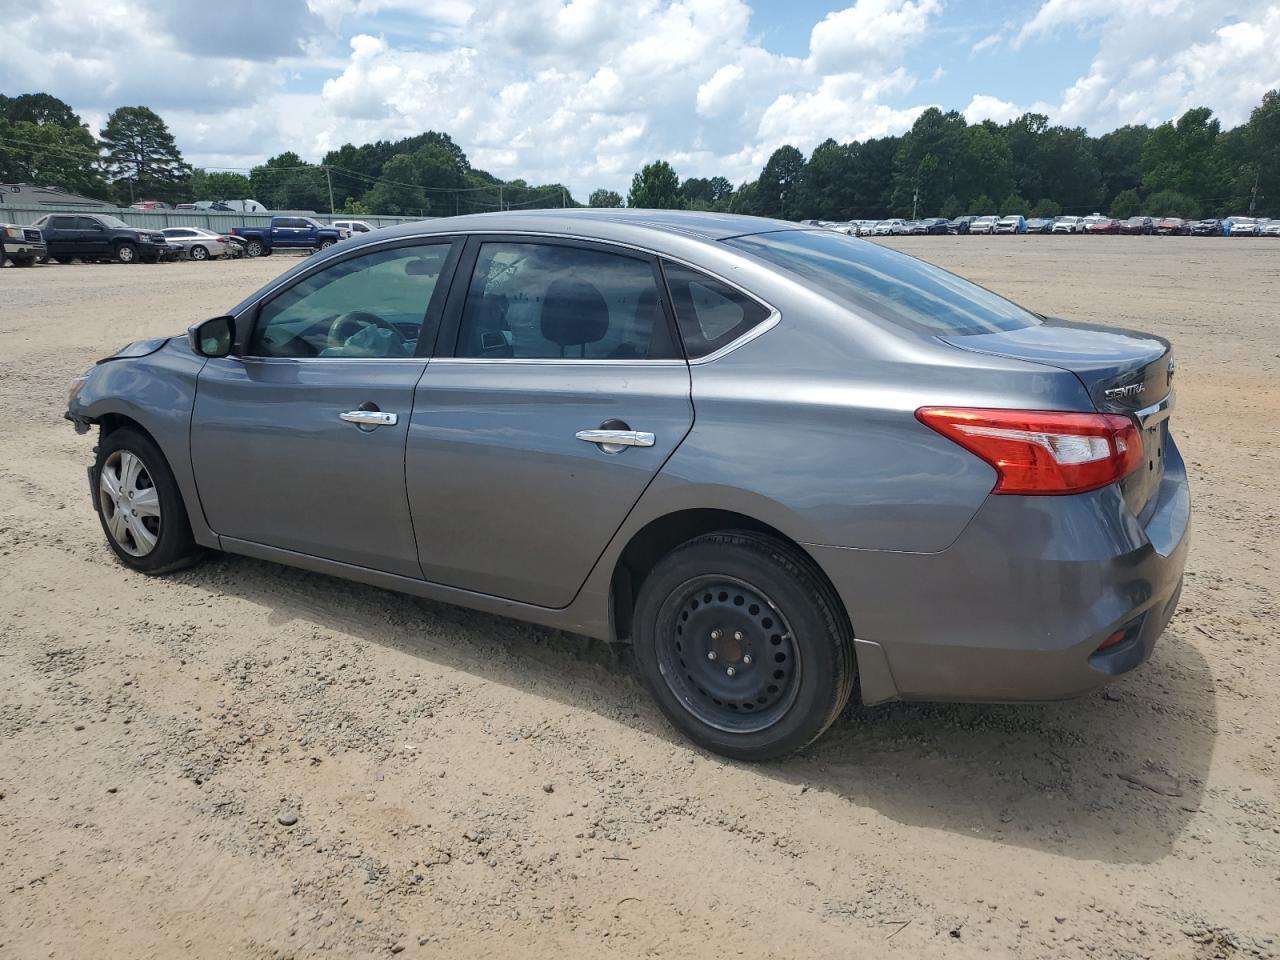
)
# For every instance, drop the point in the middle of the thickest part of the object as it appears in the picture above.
(884, 283)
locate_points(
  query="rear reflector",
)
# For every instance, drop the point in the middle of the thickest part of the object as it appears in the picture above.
(1112, 640)
(1043, 452)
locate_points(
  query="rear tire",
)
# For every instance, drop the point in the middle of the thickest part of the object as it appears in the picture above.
(326, 244)
(198, 253)
(254, 248)
(140, 506)
(744, 645)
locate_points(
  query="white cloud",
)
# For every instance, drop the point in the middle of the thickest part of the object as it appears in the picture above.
(983, 107)
(986, 43)
(585, 91)
(1158, 58)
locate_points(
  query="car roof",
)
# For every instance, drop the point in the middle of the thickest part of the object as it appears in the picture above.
(643, 226)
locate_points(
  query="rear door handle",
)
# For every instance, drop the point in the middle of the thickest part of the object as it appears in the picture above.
(617, 438)
(370, 418)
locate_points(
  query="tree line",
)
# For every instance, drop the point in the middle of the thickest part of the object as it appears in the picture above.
(942, 166)
(946, 166)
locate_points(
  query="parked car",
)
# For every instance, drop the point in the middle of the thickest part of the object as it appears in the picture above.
(99, 236)
(1138, 225)
(150, 205)
(1040, 225)
(1244, 227)
(1208, 228)
(21, 246)
(287, 233)
(551, 469)
(1069, 225)
(1173, 227)
(197, 243)
(960, 225)
(915, 228)
(1011, 224)
(891, 228)
(1103, 225)
(1271, 229)
(935, 226)
(984, 225)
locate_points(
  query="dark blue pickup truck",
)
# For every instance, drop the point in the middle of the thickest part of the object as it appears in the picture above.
(287, 233)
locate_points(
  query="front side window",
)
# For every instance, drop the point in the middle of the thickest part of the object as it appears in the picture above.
(362, 308)
(538, 301)
(886, 284)
(711, 314)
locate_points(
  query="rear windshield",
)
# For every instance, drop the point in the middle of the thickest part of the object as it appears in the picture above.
(884, 283)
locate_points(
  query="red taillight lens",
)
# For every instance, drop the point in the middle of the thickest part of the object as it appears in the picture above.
(1043, 452)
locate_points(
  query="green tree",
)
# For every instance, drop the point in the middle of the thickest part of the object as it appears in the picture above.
(1183, 157)
(1046, 209)
(1126, 204)
(142, 160)
(219, 185)
(1262, 146)
(1119, 156)
(982, 206)
(41, 109)
(354, 208)
(1171, 203)
(952, 208)
(927, 162)
(44, 142)
(655, 187)
(873, 180)
(780, 183)
(1013, 204)
(828, 191)
(399, 193)
(604, 198)
(287, 182)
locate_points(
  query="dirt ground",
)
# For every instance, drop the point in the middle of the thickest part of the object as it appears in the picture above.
(467, 786)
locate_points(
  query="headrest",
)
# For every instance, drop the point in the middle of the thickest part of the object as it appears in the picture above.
(574, 313)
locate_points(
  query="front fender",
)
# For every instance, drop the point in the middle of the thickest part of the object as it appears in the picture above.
(157, 392)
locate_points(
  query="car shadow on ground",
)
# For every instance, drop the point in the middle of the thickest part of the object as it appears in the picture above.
(1113, 777)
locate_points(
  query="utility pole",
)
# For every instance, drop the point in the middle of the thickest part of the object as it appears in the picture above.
(915, 201)
(563, 204)
(328, 175)
(1253, 197)
(500, 207)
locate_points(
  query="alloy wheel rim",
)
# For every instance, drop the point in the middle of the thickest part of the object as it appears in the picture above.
(130, 503)
(728, 654)
(198, 253)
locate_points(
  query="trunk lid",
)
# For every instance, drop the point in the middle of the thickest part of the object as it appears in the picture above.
(1124, 371)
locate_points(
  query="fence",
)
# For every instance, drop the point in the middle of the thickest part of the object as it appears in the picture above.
(159, 219)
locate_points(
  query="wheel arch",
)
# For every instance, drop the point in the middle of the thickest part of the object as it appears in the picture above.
(663, 534)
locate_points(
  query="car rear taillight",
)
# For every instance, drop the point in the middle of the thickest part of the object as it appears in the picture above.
(1043, 452)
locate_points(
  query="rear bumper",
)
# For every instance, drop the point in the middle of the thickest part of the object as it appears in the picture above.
(1017, 607)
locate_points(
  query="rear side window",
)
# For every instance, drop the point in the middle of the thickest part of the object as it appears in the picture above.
(539, 301)
(873, 279)
(710, 313)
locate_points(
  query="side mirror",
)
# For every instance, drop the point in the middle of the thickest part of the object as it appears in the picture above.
(212, 338)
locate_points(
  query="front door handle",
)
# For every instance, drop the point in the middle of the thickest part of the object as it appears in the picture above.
(616, 438)
(370, 418)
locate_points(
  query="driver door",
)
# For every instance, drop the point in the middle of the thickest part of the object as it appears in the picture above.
(298, 441)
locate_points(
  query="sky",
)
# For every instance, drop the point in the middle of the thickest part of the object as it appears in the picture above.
(584, 92)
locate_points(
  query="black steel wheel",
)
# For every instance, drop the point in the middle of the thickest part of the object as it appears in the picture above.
(743, 644)
(727, 652)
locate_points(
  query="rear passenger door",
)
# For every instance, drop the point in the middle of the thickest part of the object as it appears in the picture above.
(557, 391)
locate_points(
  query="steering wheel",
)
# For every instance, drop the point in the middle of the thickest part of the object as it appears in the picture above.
(347, 325)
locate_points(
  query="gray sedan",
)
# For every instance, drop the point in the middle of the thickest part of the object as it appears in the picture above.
(783, 463)
(199, 243)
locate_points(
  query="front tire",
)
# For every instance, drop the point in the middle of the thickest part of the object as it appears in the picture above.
(744, 645)
(140, 506)
(126, 253)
